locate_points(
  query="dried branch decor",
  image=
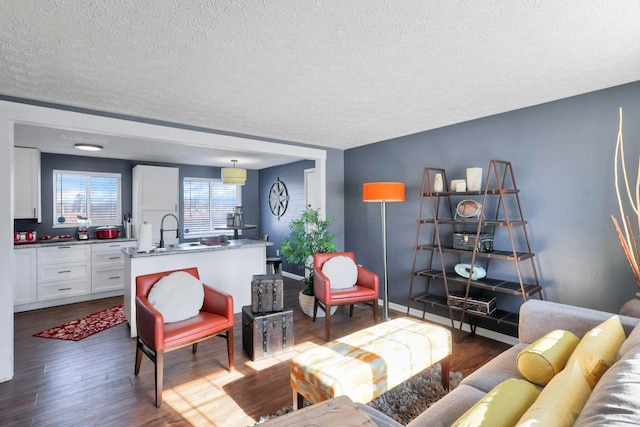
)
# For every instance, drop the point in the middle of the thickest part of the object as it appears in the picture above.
(627, 239)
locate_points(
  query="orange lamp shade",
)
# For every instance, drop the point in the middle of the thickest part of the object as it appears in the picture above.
(383, 192)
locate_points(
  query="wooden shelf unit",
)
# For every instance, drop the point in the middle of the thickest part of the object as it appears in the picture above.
(435, 256)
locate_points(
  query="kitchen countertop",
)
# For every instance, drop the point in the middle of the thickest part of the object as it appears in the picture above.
(67, 242)
(190, 247)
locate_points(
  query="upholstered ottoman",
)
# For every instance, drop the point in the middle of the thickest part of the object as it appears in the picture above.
(367, 363)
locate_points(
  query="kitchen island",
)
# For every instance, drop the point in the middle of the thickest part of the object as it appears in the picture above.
(228, 267)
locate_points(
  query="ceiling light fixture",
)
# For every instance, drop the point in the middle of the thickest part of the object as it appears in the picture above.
(233, 175)
(89, 147)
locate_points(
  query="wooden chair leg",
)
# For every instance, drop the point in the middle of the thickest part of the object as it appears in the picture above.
(230, 348)
(159, 376)
(375, 311)
(327, 322)
(445, 368)
(194, 347)
(351, 310)
(138, 357)
(315, 308)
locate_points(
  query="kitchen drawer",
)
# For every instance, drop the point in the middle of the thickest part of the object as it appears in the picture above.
(66, 271)
(107, 259)
(68, 288)
(112, 246)
(103, 280)
(64, 254)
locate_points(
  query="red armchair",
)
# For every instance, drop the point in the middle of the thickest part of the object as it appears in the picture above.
(156, 337)
(365, 290)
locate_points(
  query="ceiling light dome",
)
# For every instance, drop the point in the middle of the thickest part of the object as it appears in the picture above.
(88, 147)
(233, 175)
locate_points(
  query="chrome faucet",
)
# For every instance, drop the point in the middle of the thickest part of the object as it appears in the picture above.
(162, 230)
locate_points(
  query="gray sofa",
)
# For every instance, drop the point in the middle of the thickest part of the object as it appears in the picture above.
(615, 400)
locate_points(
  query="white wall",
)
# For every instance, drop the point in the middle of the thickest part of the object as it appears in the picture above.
(6, 250)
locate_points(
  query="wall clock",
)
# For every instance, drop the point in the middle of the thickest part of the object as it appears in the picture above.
(278, 198)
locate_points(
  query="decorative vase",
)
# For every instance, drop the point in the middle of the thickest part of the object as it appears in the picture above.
(306, 304)
(438, 185)
(474, 179)
(631, 307)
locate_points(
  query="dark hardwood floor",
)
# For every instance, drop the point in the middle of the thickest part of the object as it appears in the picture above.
(91, 382)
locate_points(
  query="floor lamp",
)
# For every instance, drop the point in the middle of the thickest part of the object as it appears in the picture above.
(383, 192)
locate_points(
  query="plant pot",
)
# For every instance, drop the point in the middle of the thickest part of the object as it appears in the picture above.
(306, 304)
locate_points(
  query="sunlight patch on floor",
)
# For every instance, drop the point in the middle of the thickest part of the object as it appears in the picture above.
(205, 402)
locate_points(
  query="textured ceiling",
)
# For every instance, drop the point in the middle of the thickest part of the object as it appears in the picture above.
(329, 73)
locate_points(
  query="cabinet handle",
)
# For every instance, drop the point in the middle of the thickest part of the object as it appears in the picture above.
(114, 257)
(114, 246)
(34, 212)
(64, 289)
(64, 247)
(114, 277)
(65, 271)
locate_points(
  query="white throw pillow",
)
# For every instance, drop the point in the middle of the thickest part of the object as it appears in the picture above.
(341, 271)
(177, 296)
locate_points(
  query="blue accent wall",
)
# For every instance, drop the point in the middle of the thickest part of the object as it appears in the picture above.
(563, 158)
(292, 175)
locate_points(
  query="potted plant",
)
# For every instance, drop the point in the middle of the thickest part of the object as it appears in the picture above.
(308, 235)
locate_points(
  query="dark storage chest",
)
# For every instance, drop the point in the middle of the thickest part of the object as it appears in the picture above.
(267, 293)
(266, 334)
(467, 241)
(475, 303)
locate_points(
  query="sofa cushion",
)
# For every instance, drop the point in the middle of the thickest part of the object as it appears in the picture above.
(502, 406)
(177, 296)
(633, 340)
(614, 400)
(341, 271)
(561, 401)
(598, 349)
(541, 360)
(445, 411)
(497, 370)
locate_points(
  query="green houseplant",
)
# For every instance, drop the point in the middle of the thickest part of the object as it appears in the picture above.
(308, 235)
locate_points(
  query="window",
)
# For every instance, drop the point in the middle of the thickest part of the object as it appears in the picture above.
(207, 203)
(94, 195)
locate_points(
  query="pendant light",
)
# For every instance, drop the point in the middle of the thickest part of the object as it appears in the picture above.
(233, 175)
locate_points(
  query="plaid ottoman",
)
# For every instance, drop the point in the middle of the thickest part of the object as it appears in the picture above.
(367, 363)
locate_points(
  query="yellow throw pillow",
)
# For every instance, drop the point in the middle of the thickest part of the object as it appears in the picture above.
(541, 360)
(502, 406)
(598, 349)
(560, 402)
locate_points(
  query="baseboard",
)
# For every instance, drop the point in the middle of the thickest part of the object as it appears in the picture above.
(487, 333)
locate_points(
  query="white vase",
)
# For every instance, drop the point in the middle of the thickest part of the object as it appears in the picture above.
(438, 185)
(474, 179)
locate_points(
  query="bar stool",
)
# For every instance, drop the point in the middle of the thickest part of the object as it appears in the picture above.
(273, 265)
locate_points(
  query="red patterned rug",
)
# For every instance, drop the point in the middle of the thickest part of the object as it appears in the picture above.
(87, 325)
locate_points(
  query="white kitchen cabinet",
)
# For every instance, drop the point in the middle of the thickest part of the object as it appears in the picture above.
(155, 194)
(64, 271)
(27, 183)
(107, 266)
(25, 285)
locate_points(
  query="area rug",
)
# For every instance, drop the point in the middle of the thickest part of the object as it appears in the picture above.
(87, 325)
(406, 401)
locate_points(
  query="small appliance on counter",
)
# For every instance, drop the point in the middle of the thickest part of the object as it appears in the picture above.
(24, 237)
(107, 232)
(83, 227)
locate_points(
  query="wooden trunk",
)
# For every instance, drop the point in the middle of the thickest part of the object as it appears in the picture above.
(267, 293)
(266, 335)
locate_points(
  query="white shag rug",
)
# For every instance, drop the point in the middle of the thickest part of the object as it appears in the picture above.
(406, 401)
